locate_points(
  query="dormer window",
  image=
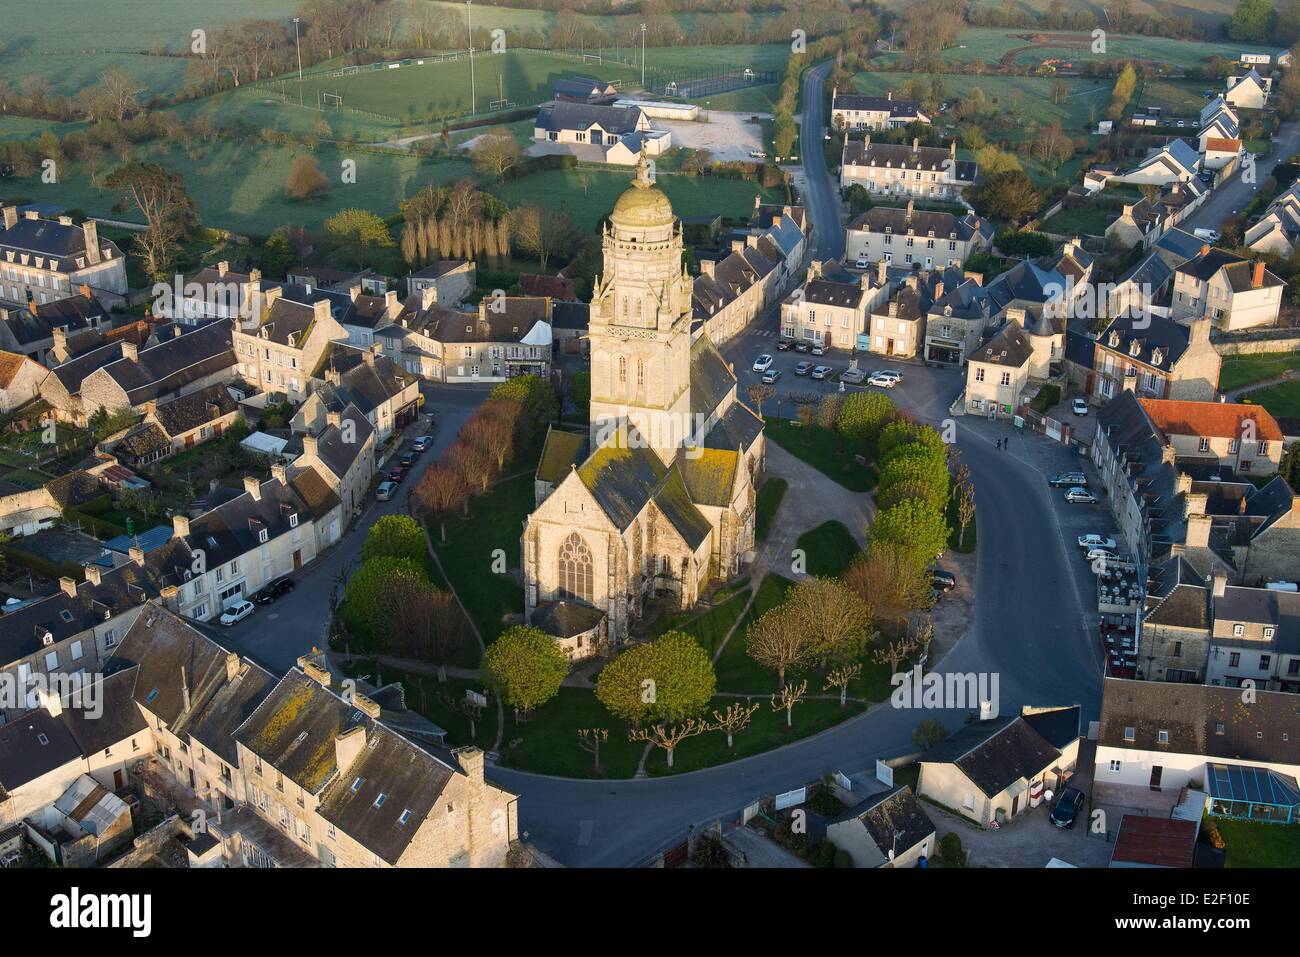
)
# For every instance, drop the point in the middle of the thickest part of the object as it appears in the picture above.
(1114, 339)
(262, 535)
(1269, 632)
(379, 801)
(356, 785)
(1157, 357)
(1135, 347)
(293, 520)
(1162, 736)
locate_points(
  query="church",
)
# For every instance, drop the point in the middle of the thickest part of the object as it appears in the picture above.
(656, 500)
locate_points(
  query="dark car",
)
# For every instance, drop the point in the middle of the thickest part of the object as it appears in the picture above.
(1068, 807)
(407, 460)
(801, 346)
(277, 589)
(942, 581)
(397, 473)
(784, 344)
(1068, 480)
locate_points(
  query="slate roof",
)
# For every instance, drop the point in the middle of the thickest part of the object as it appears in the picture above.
(50, 238)
(195, 410)
(1177, 596)
(996, 753)
(145, 440)
(73, 489)
(32, 746)
(1263, 606)
(570, 315)
(874, 104)
(894, 818)
(564, 115)
(174, 363)
(1200, 719)
(902, 156)
(1204, 266)
(118, 720)
(711, 377)
(315, 493)
(920, 222)
(1179, 245)
(675, 501)
(622, 479)
(1150, 332)
(37, 322)
(560, 452)
(709, 474)
(232, 528)
(334, 453)
(1010, 347)
(1027, 282)
(823, 292)
(565, 619)
(1124, 426)
(366, 385)
(737, 428)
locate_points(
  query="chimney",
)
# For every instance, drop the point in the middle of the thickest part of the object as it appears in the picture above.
(1128, 209)
(348, 747)
(93, 573)
(320, 310)
(68, 585)
(368, 356)
(428, 296)
(335, 419)
(916, 144)
(815, 269)
(130, 350)
(309, 445)
(366, 705)
(314, 671)
(391, 306)
(975, 277)
(223, 267)
(185, 691)
(254, 276)
(1205, 250)
(253, 486)
(1167, 454)
(952, 148)
(32, 214)
(893, 307)
(1198, 531)
(10, 214)
(232, 666)
(882, 272)
(938, 290)
(177, 331)
(911, 204)
(91, 233)
(864, 281)
(180, 526)
(280, 473)
(65, 220)
(889, 95)
(1199, 331)
(332, 376)
(60, 345)
(751, 241)
(866, 142)
(170, 595)
(471, 762)
(737, 245)
(1184, 484)
(1257, 274)
(137, 555)
(354, 291)
(1220, 584)
(706, 267)
(84, 289)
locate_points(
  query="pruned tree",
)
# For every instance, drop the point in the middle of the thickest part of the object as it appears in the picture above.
(590, 740)
(807, 418)
(965, 509)
(839, 677)
(758, 394)
(923, 632)
(789, 695)
(733, 720)
(895, 652)
(668, 736)
(441, 491)
(775, 641)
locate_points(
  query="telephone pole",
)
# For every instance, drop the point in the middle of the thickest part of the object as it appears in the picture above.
(470, 24)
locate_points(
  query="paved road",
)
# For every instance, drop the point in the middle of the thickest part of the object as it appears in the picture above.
(821, 194)
(1233, 196)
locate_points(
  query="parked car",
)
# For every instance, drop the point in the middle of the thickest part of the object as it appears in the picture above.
(817, 349)
(771, 375)
(277, 589)
(1080, 496)
(803, 368)
(1095, 541)
(385, 491)
(942, 581)
(801, 346)
(892, 373)
(784, 344)
(236, 613)
(1068, 807)
(1080, 406)
(1209, 235)
(882, 381)
(853, 376)
(757, 154)
(1068, 480)
(763, 363)
(821, 372)
(861, 264)
(407, 460)
(422, 443)
(396, 474)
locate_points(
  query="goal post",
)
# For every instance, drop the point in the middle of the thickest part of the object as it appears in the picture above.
(332, 99)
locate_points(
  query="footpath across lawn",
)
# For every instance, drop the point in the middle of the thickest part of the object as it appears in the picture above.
(824, 450)
(829, 549)
(1238, 371)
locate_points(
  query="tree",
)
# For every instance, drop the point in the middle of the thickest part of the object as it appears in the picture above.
(776, 641)
(1125, 84)
(895, 652)
(807, 419)
(758, 394)
(1289, 468)
(835, 619)
(966, 509)
(277, 254)
(306, 181)
(790, 695)
(538, 406)
(668, 736)
(1252, 22)
(665, 680)
(474, 463)
(733, 720)
(366, 599)
(892, 579)
(1009, 195)
(117, 94)
(917, 467)
(525, 667)
(919, 528)
(580, 392)
(493, 429)
(360, 230)
(425, 623)
(395, 536)
(928, 733)
(159, 196)
(543, 232)
(590, 740)
(496, 154)
(840, 677)
(863, 415)
(441, 492)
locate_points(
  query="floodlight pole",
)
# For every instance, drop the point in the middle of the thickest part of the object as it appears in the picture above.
(643, 56)
(469, 23)
(298, 46)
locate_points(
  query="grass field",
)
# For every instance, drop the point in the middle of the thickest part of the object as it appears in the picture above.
(67, 73)
(1283, 400)
(829, 548)
(822, 452)
(691, 196)
(1257, 844)
(1084, 220)
(1238, 371)
(769, 500)
(28, 128)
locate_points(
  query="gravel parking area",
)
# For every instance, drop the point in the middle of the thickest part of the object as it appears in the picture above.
(728, 136)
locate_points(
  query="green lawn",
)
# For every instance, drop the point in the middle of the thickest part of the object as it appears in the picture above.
(495, 522)
(829, 549)
(690, 195)
(708, 627)
(821, 448)
(737, 672)
(769, 500)
(1256, 844)
(1283, 400)
(425, 695)
(1083, 220)
(1238, 371)
(548, 741)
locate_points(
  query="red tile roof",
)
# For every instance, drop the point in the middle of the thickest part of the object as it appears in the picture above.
(1155, 842)
(1221, 145)
(1217, 419)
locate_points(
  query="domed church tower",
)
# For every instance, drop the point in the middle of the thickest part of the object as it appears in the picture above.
(641, 324)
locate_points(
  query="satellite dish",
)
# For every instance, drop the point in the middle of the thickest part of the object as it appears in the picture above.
(1047, 795)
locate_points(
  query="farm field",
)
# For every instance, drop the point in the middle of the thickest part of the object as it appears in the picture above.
(27, 127)
(66, 74)
(241, 188)
(690, 195)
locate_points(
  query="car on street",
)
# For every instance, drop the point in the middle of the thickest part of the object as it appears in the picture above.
(784, 344)
(277, 589)
(1068, 807)
(1209, 235)
(422, 443)
(407, 460)
(892, 373)
(803, 368)
(817, 350)
(853, 376)
(771, 375)
(236, 613)
(821, 372)
(1101, 554)
(757, 154)
(396, 474)
(1080, 406)
(942, 581)
(801, 346)
(1080, 496)
(1068, 480)
(1096, 541)
(385, 491)
(882, 381)
(763, 363)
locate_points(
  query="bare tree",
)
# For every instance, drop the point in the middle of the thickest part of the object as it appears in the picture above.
(474, 463)
(893, 582)
(119, 93)
(496, 153)
(493, 428)
(790, 695)
(440, 492)
(923, 632)
(896, 652)
(758, 394)
(425, 623)
(839, 677)
(668, 736)
(542, 232)
(590, 740)
(965, 509)
(733, 720)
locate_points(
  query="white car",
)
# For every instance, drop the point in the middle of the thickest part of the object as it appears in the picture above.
(237, 612)
(385, 491)
(892, 373)
(1096, 541)
(861, 264)
(1080, 407)
(1105, 554)
(1080, 496)
(882, 381)
(763, 363)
